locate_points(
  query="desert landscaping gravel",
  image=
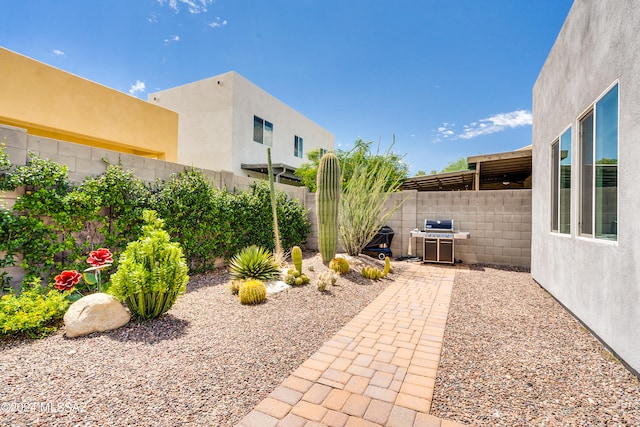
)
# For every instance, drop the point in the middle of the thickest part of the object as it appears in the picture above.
(513, 356)
(207, 362)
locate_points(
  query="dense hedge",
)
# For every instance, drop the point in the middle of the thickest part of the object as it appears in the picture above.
(211, 223)
(54, 224)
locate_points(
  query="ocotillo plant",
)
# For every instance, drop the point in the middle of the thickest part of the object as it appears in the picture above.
(327, 204)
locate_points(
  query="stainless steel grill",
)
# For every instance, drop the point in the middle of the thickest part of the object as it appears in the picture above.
(439, 240)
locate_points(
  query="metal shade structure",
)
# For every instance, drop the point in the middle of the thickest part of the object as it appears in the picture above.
(500, 171)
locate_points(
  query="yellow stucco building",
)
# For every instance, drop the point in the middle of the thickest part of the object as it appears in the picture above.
(52, 103)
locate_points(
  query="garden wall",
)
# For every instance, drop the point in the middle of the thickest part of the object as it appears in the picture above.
(499, 222)
(83, 161)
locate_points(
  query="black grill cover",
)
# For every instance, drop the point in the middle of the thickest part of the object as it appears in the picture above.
(384, 236)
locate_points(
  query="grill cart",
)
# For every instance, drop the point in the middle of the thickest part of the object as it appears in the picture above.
(379, 246)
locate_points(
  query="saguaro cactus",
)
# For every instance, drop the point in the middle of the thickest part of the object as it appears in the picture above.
(327, 204)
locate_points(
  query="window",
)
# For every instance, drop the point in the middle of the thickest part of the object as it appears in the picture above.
(599, 164)
(262, 131)
(561, 184)
(297, 146)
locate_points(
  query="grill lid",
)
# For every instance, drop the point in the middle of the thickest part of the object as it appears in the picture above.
(438, 224)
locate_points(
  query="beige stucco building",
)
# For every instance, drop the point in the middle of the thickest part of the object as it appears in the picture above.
(226, 122)
(54, 104)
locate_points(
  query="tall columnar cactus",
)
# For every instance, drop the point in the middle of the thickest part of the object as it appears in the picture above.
(327, 204)
(274, 208)
(296, 256)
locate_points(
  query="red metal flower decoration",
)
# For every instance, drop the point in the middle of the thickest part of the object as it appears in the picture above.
(66, 280)
(100, 257)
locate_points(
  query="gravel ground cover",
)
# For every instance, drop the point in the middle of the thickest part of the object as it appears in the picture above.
(513, 356)
(207, 362)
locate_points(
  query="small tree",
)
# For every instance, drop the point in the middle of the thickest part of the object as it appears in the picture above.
(456, 165)
(360, 153)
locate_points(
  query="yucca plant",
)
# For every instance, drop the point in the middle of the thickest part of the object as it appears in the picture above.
(152, 271)
(254, 262)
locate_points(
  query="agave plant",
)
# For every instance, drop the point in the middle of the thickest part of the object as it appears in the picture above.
(254, 262)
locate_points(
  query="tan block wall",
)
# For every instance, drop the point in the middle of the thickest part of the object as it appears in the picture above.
(499, 223)
(499, 220)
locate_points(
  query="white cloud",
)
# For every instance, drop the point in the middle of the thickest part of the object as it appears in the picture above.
(217, 23)
(137, 88)
(193, 6)
(172, 39)
(58, 52)
(497, 123)
(493, 124)
(153, 18)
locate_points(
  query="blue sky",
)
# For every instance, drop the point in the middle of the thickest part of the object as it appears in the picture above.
(448, 78)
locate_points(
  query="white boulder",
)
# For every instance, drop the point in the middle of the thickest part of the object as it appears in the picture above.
(95, 313)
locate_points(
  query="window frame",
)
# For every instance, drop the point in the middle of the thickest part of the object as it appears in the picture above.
(298, 146)
(262, 131)
(561, 143)
(593, 233)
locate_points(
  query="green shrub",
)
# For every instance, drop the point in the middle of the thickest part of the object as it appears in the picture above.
(51, 213)
(197, 216)
(53, 224)
(34, 313)
(152, 271)
(122, 197)
(254, 262)
(252, 292)
(253, 218)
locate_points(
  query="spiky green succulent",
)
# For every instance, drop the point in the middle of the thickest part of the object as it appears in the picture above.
(254, 262)
(152, 271)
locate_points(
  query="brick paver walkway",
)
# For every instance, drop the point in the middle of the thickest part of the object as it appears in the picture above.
(379, 369)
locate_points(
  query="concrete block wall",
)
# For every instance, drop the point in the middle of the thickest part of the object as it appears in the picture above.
(83, 161)
(499, 223)
(499, 220)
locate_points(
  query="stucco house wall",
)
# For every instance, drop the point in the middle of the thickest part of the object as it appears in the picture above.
(598, 280)
(52, 103)
(216, 124)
